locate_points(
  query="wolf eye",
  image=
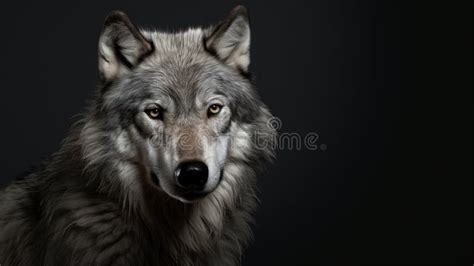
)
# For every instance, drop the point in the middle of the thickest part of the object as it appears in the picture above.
(154, 112)
(214, 109)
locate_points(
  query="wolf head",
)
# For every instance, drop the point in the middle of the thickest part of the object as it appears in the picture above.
(176, 111)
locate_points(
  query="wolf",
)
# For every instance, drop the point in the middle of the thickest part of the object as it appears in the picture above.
(161, 168)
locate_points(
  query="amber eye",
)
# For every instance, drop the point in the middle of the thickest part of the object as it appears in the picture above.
(153, 112)
(214, 109)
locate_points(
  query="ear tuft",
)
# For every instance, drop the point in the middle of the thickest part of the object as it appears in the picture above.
(230, 40)
(121, 46)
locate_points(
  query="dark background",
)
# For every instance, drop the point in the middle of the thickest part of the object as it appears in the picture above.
(386, 85)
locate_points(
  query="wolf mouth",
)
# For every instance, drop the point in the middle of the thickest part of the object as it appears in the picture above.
(191, 195)
(155, 180)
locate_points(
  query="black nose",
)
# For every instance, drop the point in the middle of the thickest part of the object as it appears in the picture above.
(192, 175)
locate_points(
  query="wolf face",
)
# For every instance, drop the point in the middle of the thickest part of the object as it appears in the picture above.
(181, 105)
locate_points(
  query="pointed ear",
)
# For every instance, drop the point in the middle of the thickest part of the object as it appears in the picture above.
(230, 40)
(121, 46)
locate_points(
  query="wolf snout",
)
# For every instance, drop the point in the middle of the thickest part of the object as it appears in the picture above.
(192, 175)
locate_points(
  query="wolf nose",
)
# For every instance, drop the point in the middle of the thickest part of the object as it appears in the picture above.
(192, 175)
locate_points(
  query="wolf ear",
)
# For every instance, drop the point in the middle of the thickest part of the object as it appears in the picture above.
(121, 46)
(230, 40)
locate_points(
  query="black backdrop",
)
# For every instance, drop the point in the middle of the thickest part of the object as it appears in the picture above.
(385, 85)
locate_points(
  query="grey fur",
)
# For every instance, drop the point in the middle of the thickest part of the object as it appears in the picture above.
(96, 201)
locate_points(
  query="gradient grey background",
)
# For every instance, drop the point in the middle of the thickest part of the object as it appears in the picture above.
(386, 85)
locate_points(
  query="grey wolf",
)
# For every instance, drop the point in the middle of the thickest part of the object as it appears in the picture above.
(161, 169)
